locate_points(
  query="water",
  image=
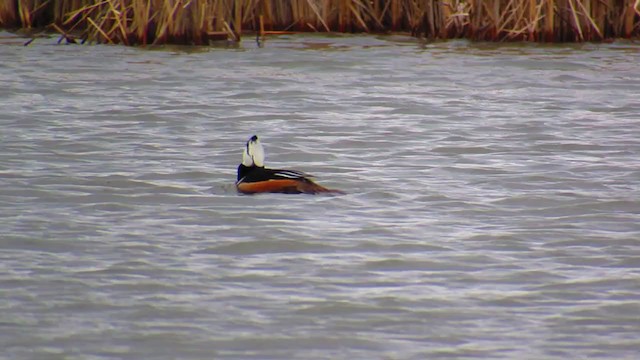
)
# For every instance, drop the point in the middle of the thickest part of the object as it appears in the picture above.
(492, 206)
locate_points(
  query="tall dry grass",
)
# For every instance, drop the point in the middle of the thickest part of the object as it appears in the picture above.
(198, 21)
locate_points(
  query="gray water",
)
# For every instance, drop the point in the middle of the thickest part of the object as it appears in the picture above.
(492, 207)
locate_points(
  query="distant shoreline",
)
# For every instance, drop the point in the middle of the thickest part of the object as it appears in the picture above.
(199, 22)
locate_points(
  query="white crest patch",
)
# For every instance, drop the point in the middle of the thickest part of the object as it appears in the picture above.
(246, 159)
(253, 153)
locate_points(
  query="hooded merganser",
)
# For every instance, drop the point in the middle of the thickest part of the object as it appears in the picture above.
(254, 178)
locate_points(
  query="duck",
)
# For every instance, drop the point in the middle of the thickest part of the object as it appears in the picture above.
(254, 177)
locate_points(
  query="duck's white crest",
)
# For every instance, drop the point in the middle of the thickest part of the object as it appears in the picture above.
(253, 153)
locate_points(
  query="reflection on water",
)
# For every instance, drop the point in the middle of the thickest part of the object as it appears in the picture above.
(492, 207)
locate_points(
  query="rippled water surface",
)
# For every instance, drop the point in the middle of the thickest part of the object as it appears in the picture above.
(492, 206)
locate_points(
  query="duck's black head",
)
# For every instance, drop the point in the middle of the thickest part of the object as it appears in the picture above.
(252, 157)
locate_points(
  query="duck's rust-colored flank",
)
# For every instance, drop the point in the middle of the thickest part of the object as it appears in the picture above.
(284, 186)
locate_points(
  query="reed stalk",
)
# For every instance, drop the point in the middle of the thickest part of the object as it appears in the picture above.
(9, 14)
(141, 22)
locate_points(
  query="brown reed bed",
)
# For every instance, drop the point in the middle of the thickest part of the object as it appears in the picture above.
(141, 22)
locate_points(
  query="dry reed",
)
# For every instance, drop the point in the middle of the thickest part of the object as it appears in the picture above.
(140, 22)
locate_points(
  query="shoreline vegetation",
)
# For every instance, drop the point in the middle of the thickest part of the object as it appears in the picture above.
(198, 22)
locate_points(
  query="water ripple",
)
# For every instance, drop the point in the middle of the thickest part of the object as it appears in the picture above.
(491, 210)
